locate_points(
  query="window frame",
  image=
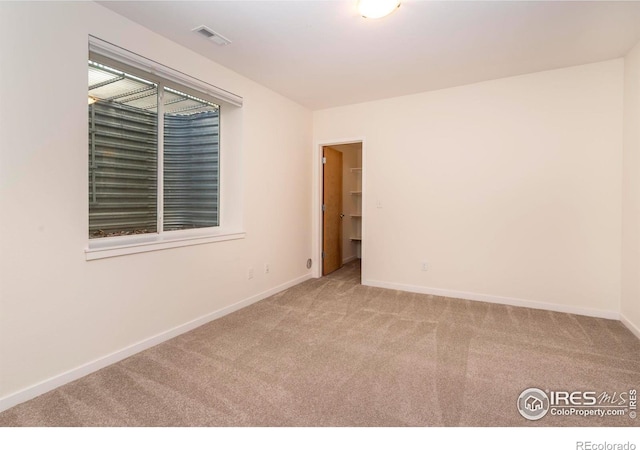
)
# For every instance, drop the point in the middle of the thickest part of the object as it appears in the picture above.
(229, 171)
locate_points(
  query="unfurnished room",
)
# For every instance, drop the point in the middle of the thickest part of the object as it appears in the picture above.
(295, 214)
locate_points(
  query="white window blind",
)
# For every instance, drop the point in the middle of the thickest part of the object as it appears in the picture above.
(112, 51)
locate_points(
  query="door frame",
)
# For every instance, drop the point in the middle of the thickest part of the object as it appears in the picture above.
(316, 204)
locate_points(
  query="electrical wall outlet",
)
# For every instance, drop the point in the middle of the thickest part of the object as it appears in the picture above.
(424, 266)
(250, 273)
(266, 268)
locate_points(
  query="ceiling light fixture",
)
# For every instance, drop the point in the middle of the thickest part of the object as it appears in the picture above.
(92, 100)
(375, 9)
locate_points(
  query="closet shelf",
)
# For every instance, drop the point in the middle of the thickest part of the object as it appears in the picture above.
(356, 206)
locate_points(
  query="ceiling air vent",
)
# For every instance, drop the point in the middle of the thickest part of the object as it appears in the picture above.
(211, 35)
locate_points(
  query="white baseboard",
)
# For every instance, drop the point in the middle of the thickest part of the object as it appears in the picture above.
(630, 325)
(495, 299)
(349, 259)
(97, 364)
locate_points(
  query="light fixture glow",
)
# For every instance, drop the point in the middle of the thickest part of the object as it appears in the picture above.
(92, 100)
(375, 9)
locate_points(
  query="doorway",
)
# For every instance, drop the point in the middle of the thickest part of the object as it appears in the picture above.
(342, 207)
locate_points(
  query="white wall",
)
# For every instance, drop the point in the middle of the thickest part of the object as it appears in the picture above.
(58, 311)
(631, 193)
(509, 189)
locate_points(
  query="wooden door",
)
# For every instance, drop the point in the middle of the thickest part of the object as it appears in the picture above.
(332, 210)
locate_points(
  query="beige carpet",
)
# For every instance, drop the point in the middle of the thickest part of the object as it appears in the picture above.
(331, 352)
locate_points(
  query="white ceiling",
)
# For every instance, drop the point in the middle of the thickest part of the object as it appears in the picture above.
(323, 54)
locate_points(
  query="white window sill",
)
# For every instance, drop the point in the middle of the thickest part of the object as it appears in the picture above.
(118, 246)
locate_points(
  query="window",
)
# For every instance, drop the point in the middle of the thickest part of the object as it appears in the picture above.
(127, 195)
(155, 167)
